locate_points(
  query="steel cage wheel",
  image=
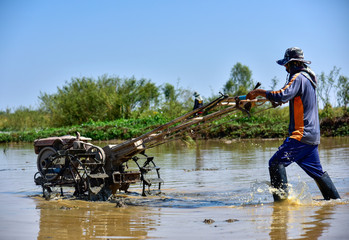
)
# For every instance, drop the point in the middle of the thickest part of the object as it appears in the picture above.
(46, 165)
(99, 154)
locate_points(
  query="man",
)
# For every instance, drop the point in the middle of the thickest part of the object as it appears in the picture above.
(198, 102)
(304, 129)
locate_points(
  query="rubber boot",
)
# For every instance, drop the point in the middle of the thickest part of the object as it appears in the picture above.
(278, 180)
(327, 187)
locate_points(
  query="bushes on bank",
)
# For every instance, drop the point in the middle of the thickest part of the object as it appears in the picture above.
(123, 129)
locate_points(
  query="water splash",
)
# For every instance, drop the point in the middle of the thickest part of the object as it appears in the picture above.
(259, 193)
(300, 194)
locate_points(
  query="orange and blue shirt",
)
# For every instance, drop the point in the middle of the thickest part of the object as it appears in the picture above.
(304, 117)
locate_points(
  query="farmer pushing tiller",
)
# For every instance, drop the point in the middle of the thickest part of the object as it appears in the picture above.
(96, 173)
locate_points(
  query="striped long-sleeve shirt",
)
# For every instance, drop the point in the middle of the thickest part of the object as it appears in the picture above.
(304, 118)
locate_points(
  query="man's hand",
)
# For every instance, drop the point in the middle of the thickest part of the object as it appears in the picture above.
(255, 93)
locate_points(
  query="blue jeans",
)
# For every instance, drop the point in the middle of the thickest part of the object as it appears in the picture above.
(306, 156)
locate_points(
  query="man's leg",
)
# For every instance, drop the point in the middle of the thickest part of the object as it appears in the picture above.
(327, 187)
(278, 180)
(277, 170)
(312, 166)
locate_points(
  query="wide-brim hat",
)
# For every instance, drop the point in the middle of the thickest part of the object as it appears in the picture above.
(293, 54)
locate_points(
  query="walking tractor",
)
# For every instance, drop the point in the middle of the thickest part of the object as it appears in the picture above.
(96, 173)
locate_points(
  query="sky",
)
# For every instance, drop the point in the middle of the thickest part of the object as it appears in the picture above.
(192, 44)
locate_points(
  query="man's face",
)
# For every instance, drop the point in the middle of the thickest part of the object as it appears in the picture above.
(287, 66)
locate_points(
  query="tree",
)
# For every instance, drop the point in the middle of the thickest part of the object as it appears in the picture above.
(325, 84)
(81, 100)
(274, 83)
(22, 118)
(177, 101)
(169, 92)
(343, 91)
(240, 81)
(137, 95)
(85, 99)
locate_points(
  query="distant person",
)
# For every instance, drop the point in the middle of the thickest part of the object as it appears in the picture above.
(301, 146)
(198, 102)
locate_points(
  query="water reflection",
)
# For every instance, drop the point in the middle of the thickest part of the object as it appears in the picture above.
(198, 158)
(83, 220)
(295, 222)
(318, 225)
(214, 179)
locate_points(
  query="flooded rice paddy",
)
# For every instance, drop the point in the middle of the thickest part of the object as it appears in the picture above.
(213, 190)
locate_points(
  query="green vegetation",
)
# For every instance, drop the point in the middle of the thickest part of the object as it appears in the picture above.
(115, 108)
(118, 129)
(104, 99)
(240, 81)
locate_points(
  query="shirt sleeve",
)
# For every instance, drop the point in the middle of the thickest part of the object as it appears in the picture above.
(286, 93)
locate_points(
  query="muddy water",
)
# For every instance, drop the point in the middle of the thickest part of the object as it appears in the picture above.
(214, 190)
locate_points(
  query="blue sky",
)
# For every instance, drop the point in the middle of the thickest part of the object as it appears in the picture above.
(194, 43)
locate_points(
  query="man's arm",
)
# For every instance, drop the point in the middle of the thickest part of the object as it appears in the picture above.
(255, 93)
